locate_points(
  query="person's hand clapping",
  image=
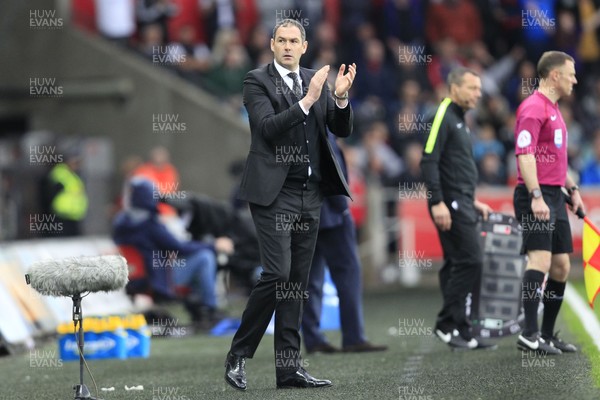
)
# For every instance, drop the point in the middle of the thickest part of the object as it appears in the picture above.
(344, 81)
(315, 87)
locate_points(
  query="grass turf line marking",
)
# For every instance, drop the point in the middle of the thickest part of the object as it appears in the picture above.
(413, 364)
(584, 313)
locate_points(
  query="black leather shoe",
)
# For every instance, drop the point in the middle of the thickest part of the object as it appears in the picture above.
(235, 372)
(300, 379)
(364, 347)
(323, 348)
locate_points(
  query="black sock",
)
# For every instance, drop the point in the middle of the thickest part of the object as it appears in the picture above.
(553, 297)
(531, 288)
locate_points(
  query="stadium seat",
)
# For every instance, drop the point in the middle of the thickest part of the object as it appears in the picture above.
(135, 262)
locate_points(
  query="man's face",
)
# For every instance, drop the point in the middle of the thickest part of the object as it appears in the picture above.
(564, 78)
(468, 92)
(288, 47)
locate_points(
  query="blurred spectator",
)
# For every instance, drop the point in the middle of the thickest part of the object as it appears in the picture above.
(354, 17)
(116, 20)
(491, 170)
(378, 157)
(189, 13)
(127, 169)
(486, 142)
(410, 95)
(404, 21)
(590, 103)
(590, 174)
(575, 138)
(184, 263)
(325, 56)
(521, 86)
(365, 35)
(458, 20)
(64, 197)
(368, 111)
(376, 77)
(246, 16)
(412, 160)
(495, 110)
(226, 79)
(325, 38)
(407, 114)
(270, 11)
(197, 56)
(156, 12)
(151, 42)
(495, 73)
(507, 16)
(218, 15)
(446, 58)
(83, 14)
(567, 37)
(589, 42)
(265, 57)
(538, 26)
(159, 170)
(257, 43)
(224, 40)
(413, 68)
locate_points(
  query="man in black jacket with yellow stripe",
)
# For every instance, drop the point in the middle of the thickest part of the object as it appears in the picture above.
(450, 175)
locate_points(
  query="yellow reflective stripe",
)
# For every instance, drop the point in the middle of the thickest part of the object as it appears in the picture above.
(435, 127)
(71, 202)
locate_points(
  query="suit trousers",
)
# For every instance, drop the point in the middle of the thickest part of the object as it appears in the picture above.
(287, 233)
(336, 248)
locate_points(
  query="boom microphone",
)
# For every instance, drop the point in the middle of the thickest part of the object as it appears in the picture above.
(75, 275)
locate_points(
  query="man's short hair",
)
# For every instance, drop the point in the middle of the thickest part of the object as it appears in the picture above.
(550, 60)
(457, 74)
(288, 22)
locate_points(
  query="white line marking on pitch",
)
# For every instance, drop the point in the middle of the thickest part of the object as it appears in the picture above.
(584, 313)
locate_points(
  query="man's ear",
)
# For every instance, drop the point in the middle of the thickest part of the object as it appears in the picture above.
(272, 45)
(450, 88)
(304, 46)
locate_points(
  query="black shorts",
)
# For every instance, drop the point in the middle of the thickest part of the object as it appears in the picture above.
(553, 235)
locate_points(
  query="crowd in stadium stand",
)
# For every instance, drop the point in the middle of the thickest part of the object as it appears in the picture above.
(403, 50)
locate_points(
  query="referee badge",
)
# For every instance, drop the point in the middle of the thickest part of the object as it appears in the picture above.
(524, 139)
(558, 138)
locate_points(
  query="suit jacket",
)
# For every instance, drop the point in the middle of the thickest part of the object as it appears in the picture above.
(335, 208)
(276, 119)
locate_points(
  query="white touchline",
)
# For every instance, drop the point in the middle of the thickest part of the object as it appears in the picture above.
(584, 313)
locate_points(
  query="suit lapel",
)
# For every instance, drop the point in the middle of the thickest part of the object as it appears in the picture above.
(281, 86)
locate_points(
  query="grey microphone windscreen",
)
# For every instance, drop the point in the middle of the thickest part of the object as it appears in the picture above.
(76, 275)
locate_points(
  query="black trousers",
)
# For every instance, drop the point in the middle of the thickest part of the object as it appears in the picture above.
(287, 234)
(463, 261)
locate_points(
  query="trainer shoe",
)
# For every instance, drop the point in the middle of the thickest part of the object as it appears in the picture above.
(460, 342)
(558, 343)
(445, 335)
(537, 344)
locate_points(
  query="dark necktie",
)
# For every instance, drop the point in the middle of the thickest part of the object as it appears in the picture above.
(296, 89)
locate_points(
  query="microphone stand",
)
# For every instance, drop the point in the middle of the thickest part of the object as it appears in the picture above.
(81, 391)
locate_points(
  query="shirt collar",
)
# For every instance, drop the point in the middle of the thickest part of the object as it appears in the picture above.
(546, 99)
(284, 71)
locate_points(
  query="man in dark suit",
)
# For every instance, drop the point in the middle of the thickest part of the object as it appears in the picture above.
(336, 248)
(289, 169)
